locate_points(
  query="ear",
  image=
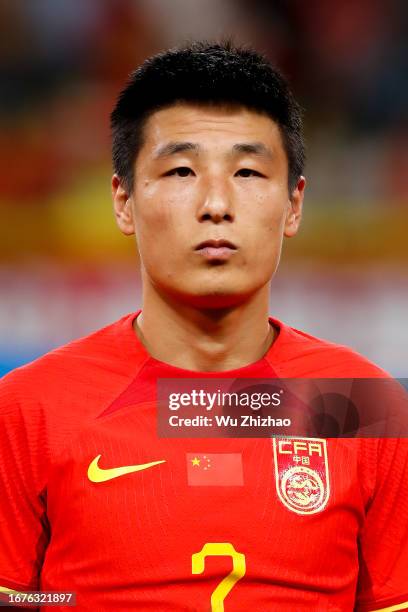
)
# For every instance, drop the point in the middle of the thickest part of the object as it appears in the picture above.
(122, 206)
(294, 214)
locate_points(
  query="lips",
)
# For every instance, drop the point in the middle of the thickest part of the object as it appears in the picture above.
(216, 244)
(216, 251)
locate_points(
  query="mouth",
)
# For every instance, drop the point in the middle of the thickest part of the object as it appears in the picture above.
(216, 250)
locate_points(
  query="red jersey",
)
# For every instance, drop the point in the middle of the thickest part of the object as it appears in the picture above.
(94, 502)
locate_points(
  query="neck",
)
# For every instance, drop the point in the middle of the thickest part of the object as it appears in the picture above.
(206, 340)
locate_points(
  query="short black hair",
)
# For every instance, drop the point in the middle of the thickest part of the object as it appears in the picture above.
(204, 73)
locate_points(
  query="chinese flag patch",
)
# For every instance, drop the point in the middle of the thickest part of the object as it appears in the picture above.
(214, 469)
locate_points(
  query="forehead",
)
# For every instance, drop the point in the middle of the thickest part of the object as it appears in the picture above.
(209, 125)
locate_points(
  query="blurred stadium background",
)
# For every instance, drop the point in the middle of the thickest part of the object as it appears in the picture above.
(64, 268)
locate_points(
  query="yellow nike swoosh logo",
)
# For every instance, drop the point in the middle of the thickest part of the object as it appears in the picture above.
(97, 474)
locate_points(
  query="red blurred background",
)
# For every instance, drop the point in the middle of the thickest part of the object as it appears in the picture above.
(65, 269)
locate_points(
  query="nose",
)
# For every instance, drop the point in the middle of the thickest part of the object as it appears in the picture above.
(216, 204)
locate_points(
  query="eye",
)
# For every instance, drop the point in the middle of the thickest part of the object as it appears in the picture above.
(247, 172)
(182, 171)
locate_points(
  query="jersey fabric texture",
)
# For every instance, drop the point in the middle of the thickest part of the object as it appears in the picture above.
(159, 537)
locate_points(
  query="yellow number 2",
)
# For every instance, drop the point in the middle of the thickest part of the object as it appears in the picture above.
(238, 570)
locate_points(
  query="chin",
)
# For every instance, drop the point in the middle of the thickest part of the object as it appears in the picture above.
(218, 298)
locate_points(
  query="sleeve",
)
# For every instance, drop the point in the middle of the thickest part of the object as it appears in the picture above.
(383, 544)
(24, 528)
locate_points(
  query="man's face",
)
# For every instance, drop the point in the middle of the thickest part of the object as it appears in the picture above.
(210, 203)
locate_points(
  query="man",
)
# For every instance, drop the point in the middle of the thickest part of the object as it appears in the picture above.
(208, 158)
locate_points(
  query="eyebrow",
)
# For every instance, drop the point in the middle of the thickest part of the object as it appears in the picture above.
(172, 148)
(251, 148)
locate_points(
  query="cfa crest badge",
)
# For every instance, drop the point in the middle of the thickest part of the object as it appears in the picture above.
(302, 473)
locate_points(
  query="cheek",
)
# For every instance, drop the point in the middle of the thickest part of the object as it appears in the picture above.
(265, 199)
(161, 217)
(268, 213)
(264, 229)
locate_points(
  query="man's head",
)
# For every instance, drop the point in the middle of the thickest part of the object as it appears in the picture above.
(208, 157)
(202, 73)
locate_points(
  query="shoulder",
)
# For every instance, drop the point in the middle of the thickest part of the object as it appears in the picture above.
(299, 354)
(82, 369)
